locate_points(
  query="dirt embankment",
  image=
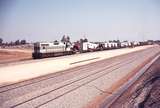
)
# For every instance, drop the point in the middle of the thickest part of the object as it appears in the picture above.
(144, 93)
(7, 56)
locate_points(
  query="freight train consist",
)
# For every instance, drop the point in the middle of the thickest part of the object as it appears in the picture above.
(65, 47)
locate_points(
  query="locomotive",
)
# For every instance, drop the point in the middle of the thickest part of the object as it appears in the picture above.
(51, 49)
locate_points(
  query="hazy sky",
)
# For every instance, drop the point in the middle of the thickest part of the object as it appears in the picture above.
(98, 20)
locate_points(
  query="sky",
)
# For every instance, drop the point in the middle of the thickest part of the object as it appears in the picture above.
(97, 20)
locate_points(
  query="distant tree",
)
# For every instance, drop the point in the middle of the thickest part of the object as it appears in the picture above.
(110, 41)
(81, 40)
(17, 42)
(6, 43)
(1, 41)
(68, 39)
(63, 38)
(85, 40)
(150, 42)
(23, 42)
(118, 41)
(125, 41)
(11, 43)
(56, 42)
(114, 40)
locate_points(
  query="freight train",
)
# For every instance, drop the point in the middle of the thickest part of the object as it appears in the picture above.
(52, 49)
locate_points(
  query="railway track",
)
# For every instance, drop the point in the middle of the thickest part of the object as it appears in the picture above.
(90, 75)
(69, 85)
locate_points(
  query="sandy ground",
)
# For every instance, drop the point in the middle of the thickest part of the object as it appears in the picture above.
(34, 68)
(14, 55)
